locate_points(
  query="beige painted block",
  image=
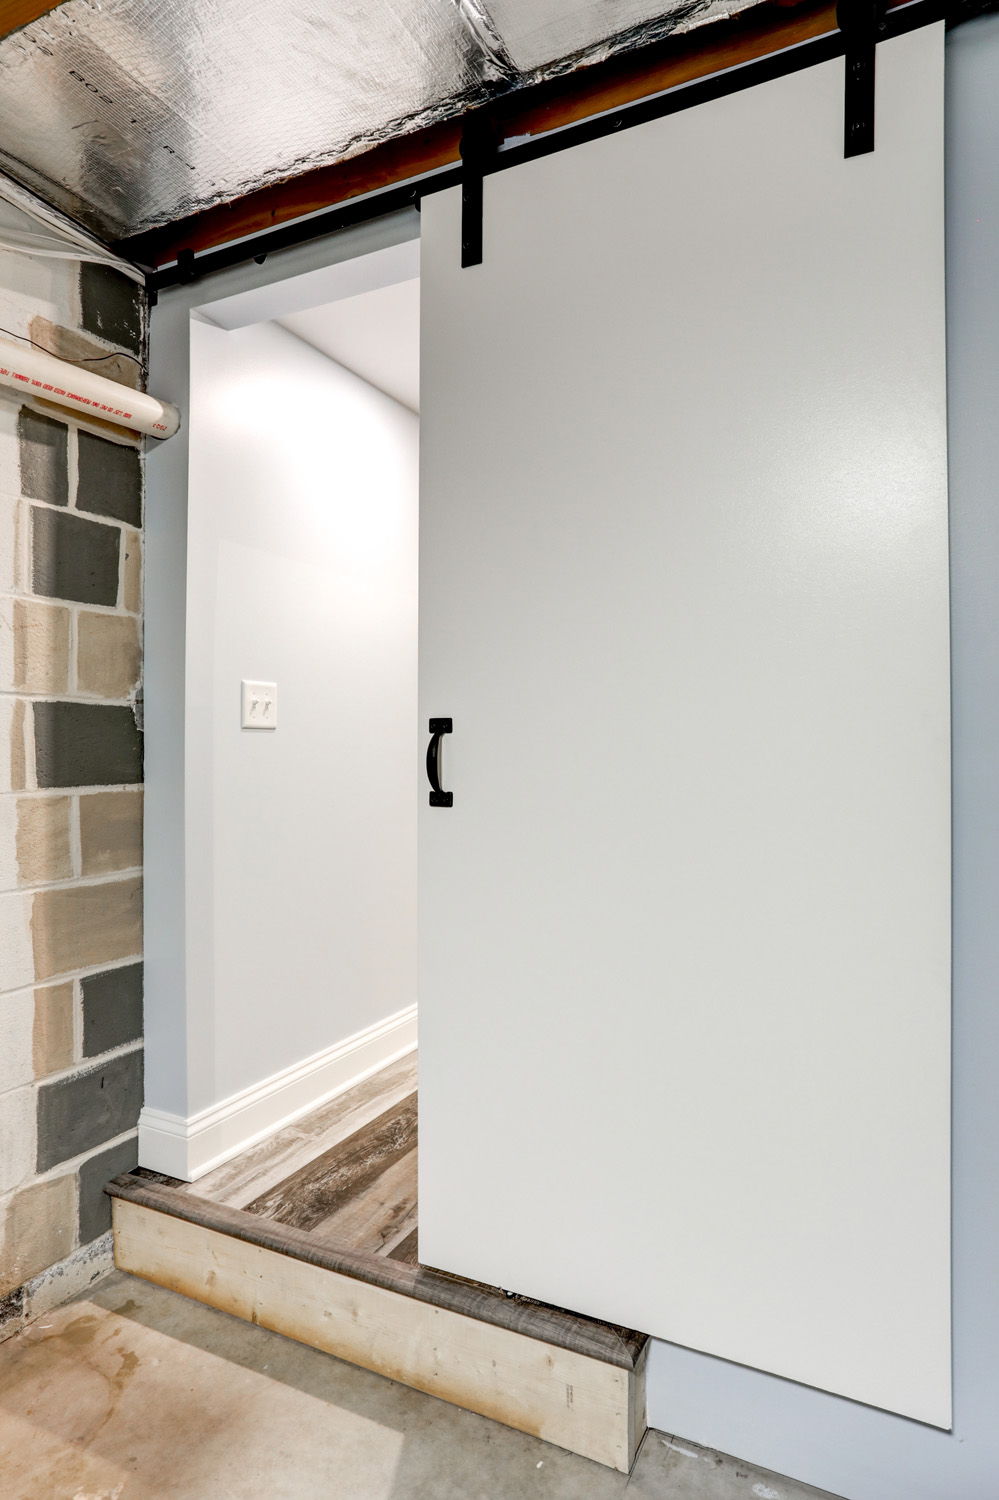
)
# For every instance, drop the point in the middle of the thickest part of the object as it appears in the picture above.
(108, 654)
(567, 1398)
(34, 840)
(17, 1014)
(111, 831)
(79, 348)
(16, 745)
(52, 1029)
(34, 646)
(41, 647)
(131, 570)
(8, 843)
(76, 927)
(43, 839)
(16, 953)
(18, 1138)
(6, 644)
(38, 1229)
(21, 745)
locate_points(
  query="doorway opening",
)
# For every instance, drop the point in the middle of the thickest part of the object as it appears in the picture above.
(304, 474)
(301, 720)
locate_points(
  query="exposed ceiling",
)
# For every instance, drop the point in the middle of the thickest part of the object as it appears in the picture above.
(376, 334)
(128, 114)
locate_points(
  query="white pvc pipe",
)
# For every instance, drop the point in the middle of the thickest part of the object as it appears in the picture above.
(35, 373)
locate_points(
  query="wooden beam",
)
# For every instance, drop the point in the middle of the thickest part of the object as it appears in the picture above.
(17, 13)
(568, 1398)
(392, 162)
(752, 34)
(604, 86)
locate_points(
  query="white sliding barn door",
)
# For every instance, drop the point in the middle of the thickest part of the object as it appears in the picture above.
(684, 963)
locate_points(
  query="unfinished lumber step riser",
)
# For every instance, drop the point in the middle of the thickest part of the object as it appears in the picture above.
(570, 1399)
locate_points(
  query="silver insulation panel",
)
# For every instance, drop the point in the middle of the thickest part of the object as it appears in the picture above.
(546, 37)
(127, 114)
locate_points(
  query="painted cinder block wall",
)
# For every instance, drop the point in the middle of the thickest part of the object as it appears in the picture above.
(70, 793)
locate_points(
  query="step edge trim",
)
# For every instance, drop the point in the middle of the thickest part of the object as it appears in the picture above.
(578, 1333)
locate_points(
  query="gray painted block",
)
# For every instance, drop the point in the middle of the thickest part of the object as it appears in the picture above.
(95, 1205)
(110, 479)
(42, 443)
(78, 1113)
(72, 558)
(111, 306)
(86, 744)
(112, 1009)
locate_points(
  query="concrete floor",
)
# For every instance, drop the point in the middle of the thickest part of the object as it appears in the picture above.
(136, 1393)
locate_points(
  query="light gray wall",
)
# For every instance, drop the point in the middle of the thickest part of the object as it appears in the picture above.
(301, 870)
(853, 1450)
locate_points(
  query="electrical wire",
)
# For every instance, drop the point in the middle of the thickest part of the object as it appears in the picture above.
(89, 359)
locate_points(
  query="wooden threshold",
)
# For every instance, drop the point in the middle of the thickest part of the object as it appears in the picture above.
(573, 1381)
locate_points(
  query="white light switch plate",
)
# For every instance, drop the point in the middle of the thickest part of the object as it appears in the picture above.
(258, 705)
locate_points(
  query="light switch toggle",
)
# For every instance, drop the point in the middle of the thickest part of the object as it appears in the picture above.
(258, 705)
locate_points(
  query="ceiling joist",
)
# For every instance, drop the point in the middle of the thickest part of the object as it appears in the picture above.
(17, 13)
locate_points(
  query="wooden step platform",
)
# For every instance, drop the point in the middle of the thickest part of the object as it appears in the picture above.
(323, 1248)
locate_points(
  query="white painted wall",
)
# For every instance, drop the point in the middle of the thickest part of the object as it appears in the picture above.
(376, 334)
(300, 843)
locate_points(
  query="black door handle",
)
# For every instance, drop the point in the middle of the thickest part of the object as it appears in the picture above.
(438, 798)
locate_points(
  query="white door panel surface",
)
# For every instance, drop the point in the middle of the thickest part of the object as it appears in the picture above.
(685, 933)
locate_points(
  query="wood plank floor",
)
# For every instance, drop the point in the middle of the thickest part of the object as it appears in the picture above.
(345, 1174)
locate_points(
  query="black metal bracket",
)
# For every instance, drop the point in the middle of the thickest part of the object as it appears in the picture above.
(479, 141)
(863, 23)
(438, 797)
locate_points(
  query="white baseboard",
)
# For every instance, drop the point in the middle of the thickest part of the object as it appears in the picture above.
(188, 1148)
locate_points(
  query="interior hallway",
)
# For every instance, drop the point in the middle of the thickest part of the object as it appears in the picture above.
(136, 1393)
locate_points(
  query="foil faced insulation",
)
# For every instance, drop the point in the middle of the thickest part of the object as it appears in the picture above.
(128, 114)
(547, 37)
